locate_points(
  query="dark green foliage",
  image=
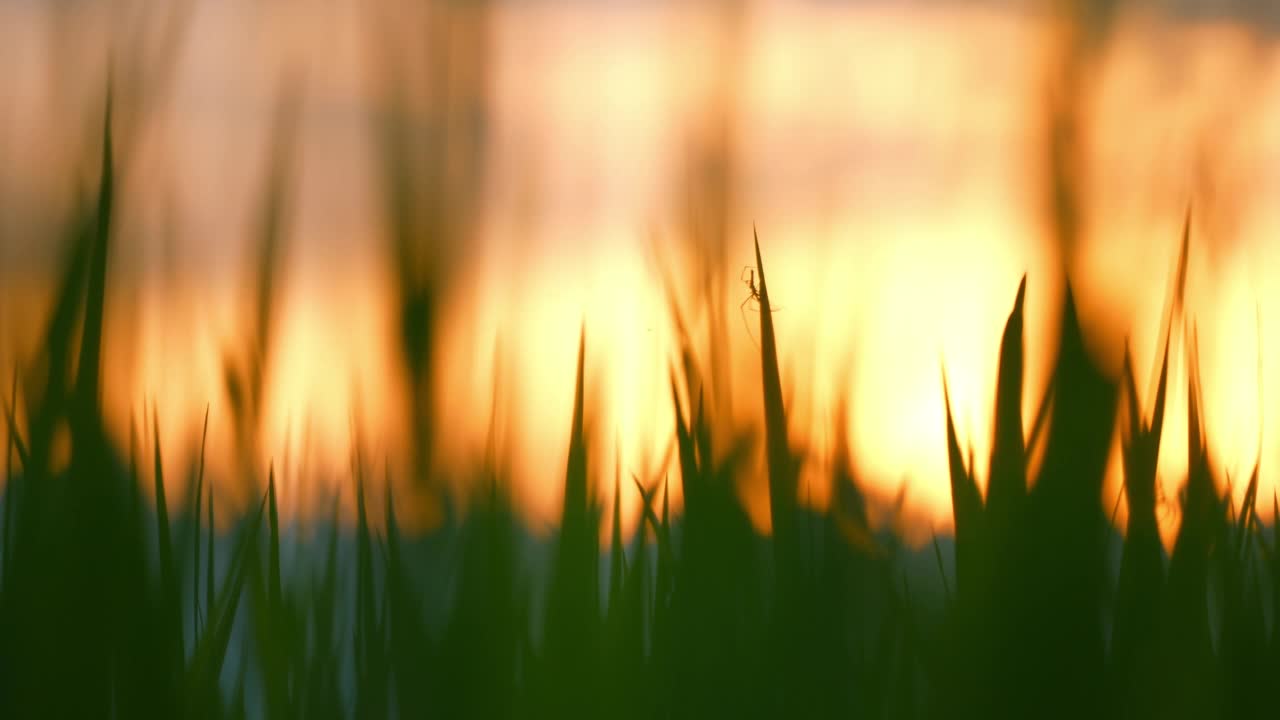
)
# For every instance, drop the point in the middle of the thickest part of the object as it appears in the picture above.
(410, 645)
(78, 606)
(372, 671)
(485, 643)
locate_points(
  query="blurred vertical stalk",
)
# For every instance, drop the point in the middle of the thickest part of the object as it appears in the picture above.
(141, 41)
(1081, 27)
(709, 186)
(430, 133)
(245, 374)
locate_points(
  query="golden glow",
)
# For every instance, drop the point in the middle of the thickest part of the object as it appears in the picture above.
(891, 159)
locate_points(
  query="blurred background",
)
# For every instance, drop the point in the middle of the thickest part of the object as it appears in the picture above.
(382, 226)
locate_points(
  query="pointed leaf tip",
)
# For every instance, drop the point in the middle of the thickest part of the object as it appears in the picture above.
(760, 271)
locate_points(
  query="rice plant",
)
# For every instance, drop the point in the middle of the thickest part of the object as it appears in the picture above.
(113, 604)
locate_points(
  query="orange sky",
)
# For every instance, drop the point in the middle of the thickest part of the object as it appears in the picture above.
(888, 155)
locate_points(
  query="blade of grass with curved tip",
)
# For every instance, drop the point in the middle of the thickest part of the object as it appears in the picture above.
(1008, 461)
(1007, 481)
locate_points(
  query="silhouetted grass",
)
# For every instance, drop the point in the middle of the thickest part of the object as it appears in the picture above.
(103, 614)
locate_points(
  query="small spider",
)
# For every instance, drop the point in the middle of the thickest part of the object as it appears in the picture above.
(748, 278)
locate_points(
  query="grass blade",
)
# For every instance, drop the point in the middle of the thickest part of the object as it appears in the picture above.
(195, 515)
(209, 567)
(168, 567)
(89, 367)
(1007, 484)
(782, 471)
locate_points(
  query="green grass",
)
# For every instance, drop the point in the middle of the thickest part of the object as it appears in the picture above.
(111, 606)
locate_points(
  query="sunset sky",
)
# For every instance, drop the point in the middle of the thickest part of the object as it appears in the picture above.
(890, 154)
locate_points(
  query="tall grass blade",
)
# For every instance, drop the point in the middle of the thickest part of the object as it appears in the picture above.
(168, 567)
(1007, 484)
(89, 368)
(782, 471)
(209, 566)
(197, 499)
(273, 543)
(573, 618)
(10, 478)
